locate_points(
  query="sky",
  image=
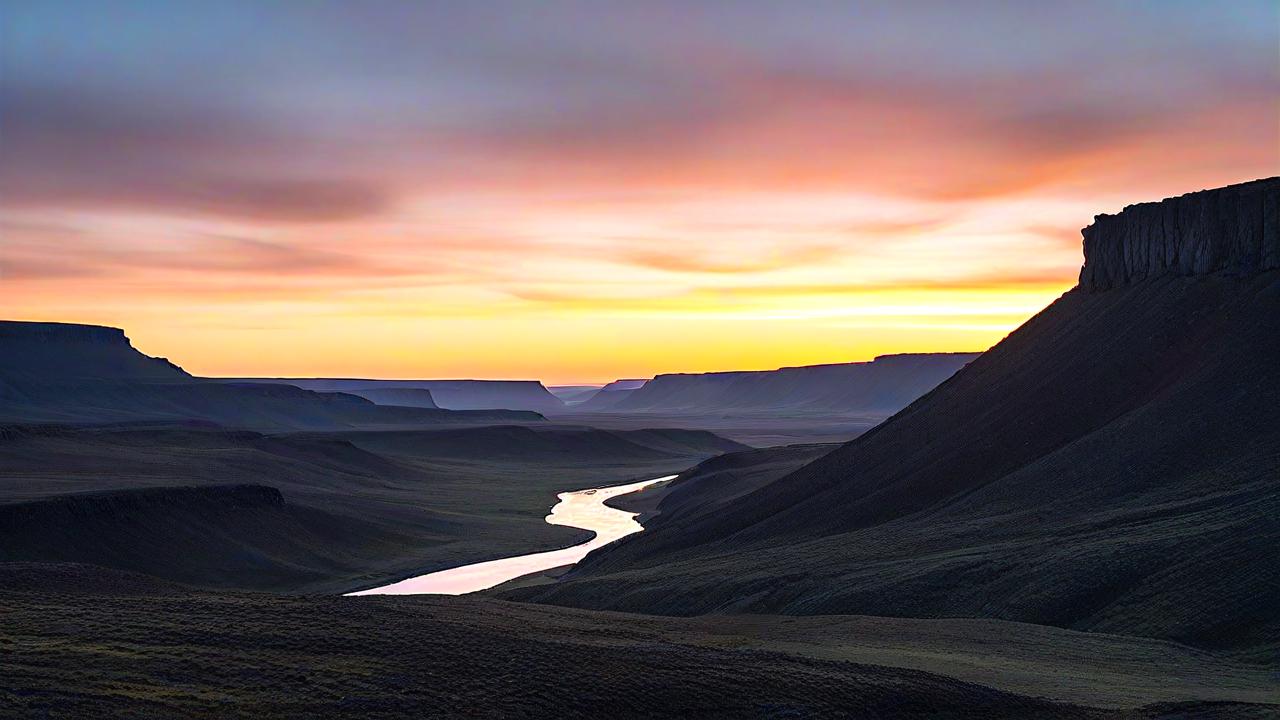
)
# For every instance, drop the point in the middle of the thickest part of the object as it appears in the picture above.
(582, 191)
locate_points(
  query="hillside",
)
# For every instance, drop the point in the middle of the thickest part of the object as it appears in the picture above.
(1110, 466)
(66, 373)
(884, 385)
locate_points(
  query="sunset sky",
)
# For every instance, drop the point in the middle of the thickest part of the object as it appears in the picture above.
(586, 191)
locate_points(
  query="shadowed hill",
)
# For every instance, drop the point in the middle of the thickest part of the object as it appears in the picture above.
(1111, 465)
(214, 535)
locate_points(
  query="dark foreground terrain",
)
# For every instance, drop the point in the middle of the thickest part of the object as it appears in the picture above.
(83, 642)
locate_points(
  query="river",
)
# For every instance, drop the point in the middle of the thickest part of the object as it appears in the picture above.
(580, 509)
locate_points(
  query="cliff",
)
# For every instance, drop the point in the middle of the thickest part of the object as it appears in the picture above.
(64, 351)
(884, 385)
(1233, 229)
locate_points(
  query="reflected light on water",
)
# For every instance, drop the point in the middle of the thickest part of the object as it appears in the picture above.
(579, 509)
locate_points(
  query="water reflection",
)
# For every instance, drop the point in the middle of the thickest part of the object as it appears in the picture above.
(580, 509)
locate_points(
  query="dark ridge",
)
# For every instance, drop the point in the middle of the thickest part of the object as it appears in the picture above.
(1234, 229)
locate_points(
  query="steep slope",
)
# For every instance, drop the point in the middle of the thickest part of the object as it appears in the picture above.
(884, 385)
(527, 395)
(65, 373)
(1111, 465)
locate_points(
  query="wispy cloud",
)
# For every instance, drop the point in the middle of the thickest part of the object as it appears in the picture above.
(446, 179)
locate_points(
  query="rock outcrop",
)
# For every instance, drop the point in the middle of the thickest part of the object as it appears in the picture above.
(1233, 229)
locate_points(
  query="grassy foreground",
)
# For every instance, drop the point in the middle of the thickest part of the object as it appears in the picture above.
(135, 646)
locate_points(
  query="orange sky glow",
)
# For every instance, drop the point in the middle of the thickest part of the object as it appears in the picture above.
(675, 202)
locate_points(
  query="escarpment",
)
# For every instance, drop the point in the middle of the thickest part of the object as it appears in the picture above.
(44, 352)
(1233, 229)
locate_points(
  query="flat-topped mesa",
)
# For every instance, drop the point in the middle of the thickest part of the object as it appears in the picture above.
(882, 386)
(51, 351)
(61, 332)
(1233, 229)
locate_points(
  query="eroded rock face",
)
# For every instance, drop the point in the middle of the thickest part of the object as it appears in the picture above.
(1233, 229)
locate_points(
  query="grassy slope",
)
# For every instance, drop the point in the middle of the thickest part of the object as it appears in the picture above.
(140, 647)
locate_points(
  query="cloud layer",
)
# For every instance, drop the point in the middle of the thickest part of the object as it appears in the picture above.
(515, 163)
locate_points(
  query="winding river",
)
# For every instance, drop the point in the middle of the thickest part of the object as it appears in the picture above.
(580, 509)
